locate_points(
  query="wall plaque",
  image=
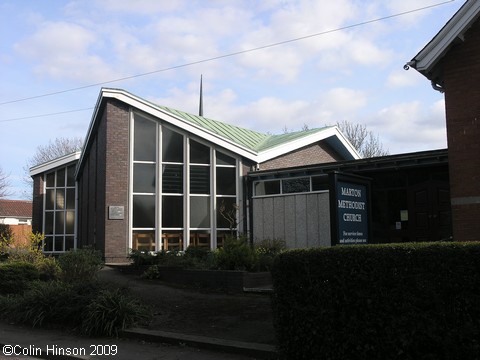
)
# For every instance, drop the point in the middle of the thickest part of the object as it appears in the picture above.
(116, 212)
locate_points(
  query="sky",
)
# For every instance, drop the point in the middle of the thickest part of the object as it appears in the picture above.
(267, 65)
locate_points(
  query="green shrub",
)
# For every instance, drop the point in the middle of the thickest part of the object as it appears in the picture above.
(52, 302)
(236, 254)
(152, 272)
(110, 312)
(143, 258)
(48, 268)
(267, 250)
(15, 277)
(411, 301)
(80, 265)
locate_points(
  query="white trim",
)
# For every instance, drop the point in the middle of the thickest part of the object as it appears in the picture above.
(52, 164)
(453, 29)
(213, 138)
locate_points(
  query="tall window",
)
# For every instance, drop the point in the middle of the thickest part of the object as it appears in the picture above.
(59, 210)
(179, 185)
(200, 196)
(172, 190)
(144, 183)
(226, 196)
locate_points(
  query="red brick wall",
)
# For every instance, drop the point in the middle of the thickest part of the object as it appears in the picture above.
(462, 101)
(104, 182)
(115, 172)
(309, 155)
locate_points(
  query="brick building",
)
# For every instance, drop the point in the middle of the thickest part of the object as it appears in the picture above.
(451, 61)
(151, 177)
(17, 215)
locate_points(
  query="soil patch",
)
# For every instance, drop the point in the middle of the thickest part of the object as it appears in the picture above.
(242, 317)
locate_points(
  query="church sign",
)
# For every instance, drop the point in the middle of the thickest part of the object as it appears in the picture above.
(349, 209)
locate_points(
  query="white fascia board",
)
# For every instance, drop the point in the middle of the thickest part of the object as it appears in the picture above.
(456, 27)
(172, 119)
(52, 164)
(305, 141)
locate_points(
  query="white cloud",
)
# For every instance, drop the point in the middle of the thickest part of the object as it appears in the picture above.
(63, 51)
(409, 126)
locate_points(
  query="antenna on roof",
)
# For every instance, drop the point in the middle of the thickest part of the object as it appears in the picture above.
(200, 108)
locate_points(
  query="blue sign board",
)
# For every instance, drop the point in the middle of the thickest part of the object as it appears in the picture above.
(350, 210)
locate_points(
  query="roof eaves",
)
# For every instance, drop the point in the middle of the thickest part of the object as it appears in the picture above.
(176, 118)
(52, 164)
(429, 56)
(341, 144)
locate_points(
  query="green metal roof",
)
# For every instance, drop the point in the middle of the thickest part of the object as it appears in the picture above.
(241, 136)
(250, 139)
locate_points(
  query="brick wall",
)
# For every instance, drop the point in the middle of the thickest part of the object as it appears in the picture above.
(462, 102)
(104, 182)
(316, 153)
(115, 174)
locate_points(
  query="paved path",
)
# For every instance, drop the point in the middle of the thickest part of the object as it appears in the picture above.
(43, 343)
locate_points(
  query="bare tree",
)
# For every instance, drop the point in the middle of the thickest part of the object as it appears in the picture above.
(364, 141)
(44, 153)
(55, 149)
(4, 184)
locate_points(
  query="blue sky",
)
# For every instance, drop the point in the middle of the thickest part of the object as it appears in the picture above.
(355, 74)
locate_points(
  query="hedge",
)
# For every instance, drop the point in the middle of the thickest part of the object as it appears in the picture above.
(402, 301)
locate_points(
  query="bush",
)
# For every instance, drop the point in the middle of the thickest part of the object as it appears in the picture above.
(236, 254)
(267, 250)
(52, 302)
(410, 301)
(80, 265)
(110, 312)
(16, 276)
(143, 258)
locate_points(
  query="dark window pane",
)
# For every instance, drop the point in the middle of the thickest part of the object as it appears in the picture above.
(320, 183)
(70, 223)
(49, 223)
(144, 178)
(226, 184)
(49, 199)
(200, 179)
(51, 179)
(69, 243)
(61, 177)
(172, 179)
(59, 222)
(71, 175)
(199, 153)
(48, 243)
(144, 211)
(223, 159)
(267, 188)
(200, 211)
(172, 211)
(145, 139)
(296, 185)
(226, 213)
(58, 245)
(60, 199)
(70, 198)
(172, 146)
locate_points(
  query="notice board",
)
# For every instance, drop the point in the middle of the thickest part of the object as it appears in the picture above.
(350, 212)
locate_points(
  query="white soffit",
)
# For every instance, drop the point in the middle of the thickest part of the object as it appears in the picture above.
(49, 165)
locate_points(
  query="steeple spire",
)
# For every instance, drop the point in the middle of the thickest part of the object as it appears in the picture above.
(200, 108)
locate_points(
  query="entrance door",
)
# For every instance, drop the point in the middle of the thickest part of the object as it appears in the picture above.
(430, 212)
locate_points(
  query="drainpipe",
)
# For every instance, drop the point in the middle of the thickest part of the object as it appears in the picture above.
(437, 87)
